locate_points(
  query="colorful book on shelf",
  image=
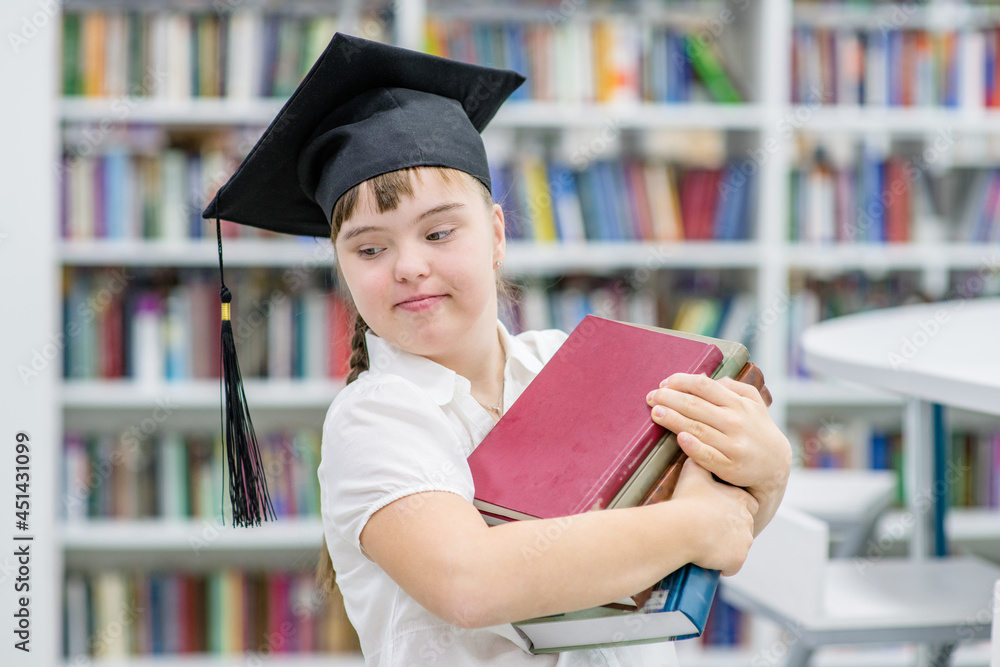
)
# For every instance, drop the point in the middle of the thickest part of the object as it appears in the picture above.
(707, 63)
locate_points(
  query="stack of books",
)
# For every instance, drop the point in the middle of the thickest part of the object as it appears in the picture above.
(580, 438)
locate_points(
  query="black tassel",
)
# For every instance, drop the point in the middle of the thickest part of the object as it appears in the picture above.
(247, 485)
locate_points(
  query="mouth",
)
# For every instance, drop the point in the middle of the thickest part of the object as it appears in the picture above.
(422, 302)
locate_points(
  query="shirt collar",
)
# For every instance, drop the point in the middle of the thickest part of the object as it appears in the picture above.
(518, 353)
(440, 382)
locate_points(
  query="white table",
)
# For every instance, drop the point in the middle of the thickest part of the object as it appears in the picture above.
(929, 353)
(940, 353)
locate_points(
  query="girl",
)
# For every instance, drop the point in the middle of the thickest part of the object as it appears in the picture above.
(393, 166)
(421, 573)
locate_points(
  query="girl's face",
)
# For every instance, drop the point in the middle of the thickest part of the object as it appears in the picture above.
(422, 275)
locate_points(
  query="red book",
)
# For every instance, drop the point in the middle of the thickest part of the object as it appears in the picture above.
(581, 428)
(341, 328)
(897, 194)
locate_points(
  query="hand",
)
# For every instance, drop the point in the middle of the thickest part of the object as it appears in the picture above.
(725, 518)
(724, 426)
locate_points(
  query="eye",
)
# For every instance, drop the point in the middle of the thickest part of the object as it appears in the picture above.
(370, 252)
(439, 235)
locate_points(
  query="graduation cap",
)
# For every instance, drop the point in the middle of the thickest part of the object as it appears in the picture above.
(364, 109)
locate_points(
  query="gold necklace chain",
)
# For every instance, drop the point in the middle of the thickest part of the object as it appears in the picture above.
(495, 408)
(498, 409)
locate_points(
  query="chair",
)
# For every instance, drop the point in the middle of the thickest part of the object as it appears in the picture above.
(849, 501)
(818, 601)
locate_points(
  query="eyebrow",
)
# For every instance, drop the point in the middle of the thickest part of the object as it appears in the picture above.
(441, 208)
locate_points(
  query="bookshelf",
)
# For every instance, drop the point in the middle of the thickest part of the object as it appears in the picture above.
(767, 266)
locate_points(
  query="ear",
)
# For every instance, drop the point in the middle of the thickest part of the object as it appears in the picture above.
(499, 233)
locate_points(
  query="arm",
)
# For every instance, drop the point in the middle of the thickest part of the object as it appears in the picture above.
(438, 549)
(724, 426)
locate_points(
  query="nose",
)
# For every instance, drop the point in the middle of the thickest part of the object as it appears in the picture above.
(412, 263)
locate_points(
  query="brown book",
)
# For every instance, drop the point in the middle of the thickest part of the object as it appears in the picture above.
(664, 487)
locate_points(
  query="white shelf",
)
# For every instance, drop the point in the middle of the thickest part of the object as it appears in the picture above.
(195, 111)
(197, 252)
(203, 394)
(523, 257)
(832, 392)
(963, 524)
(917, 256)
(632, 115)
(900, 120)
(260, 112)
(109, 535)
(612, 256)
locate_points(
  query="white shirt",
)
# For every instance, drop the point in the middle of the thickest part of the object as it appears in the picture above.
(405, 426)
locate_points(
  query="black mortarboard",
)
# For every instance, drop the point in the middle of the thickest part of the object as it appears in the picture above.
(364, 109)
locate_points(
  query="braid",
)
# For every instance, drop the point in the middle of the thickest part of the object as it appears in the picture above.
(326, 578)
(359, 350)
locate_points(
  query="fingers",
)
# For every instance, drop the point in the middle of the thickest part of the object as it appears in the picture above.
(700, 385)
(704, 454)
(699, 429)
(686, 405)
(745, 390)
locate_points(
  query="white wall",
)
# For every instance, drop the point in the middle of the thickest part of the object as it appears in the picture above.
(29, 322)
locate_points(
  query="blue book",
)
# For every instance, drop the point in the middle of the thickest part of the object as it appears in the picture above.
(116, 192)
(607, 196)
(481, 38)
(586, 188)
(655, 83)
(623, 202)
(894, 45)
(880, 456)
(990, 69)
(565, 203)
(679, 70)
(192, 204)
(518, 59)
(872, 219)
(725, 227)
(678, 609)
(156, 614)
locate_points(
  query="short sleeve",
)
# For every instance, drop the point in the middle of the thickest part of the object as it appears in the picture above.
(384, 440)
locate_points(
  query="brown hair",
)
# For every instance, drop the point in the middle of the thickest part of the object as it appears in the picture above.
(385, 192)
